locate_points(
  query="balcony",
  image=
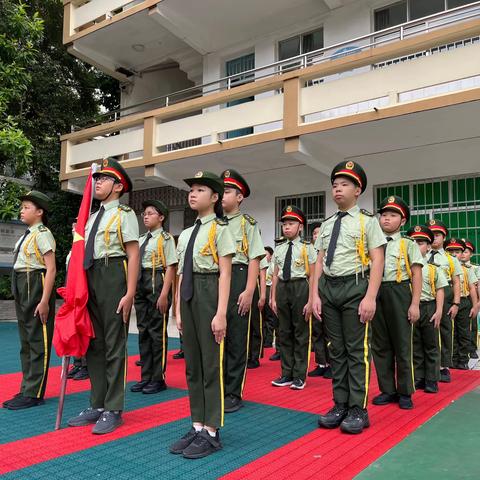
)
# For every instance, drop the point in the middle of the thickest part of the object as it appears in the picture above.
(301, 107)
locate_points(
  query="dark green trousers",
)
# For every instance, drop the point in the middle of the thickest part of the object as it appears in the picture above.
(392, 337)
(107, 352)
(320, 342)
(257, 328)
(237, 339)
(350, 352)
(35, 338)
(270, 321)
(473, 334)
(203, 355)
(152, 326)
(294, 332)
(461, 337)
(446, 330)
(426, 345)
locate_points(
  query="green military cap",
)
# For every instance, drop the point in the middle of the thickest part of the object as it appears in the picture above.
(469, 244)
(112, 168)
(395, 204)
(38, 198)
(231, 178)
(420, 232)
(437, 226)
(454, 244)
(159, 206)
(291, 212)
(208, 179)
(351, 170)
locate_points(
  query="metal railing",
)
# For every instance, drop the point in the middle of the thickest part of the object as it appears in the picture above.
(322, 55)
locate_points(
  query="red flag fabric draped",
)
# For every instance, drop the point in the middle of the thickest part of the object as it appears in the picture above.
(73, 327)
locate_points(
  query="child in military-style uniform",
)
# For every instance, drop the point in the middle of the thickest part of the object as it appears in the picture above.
(293, 263)
(112, 265)
(426, 333)
(350, 268)
(33, 279)
(319, 334)
(398, 308)
(270, 321)
(153, 298)
(465, 258)
(451, 268)
(205, 253)
(244, 284)
(467, 310)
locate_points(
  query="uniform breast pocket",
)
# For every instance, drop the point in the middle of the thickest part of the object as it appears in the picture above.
(239, 244)
(299, 262)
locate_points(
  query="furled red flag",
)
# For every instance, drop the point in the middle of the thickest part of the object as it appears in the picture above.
(73, 327)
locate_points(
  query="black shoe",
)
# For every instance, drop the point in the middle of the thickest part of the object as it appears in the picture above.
(282, 382)
(108, 422)
(334, 417)
(420, 384)
(445, 375)
(474, 355)
(275, 357)
(232, 403)
(82, 374)
(203, 444)
(328, 373)
(21, 402)
(154, 387)
(405, 402)
(139, 386)
(179, 355)
(253, 364)
(298, 384)
(355, 421)
(6, 402)
(73, 371)
(180, 445)
(318, 371)
(431, 386)
(385, 399)
(85, 417)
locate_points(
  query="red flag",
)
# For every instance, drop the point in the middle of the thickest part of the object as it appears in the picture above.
(73, 327)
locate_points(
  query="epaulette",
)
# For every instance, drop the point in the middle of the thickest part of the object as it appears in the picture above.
(280, 240)
(42, 228)
(306, 242)
(125, 208)
(221, 221)
(407, 238)
(166, 235)
(366, 212)
(250, 219)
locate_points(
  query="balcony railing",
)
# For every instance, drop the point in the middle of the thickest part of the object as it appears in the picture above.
(287, 104)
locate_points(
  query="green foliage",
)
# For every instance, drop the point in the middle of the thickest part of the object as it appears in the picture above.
(9, 203)
(5, 287)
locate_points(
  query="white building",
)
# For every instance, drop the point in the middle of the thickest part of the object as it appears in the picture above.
(282, 90)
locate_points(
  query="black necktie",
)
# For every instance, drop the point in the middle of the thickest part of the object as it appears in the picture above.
(431, 260)
(90, 247)
(15, 256)
(333, 241)
(186, 289)
(287, 266)
(389, 239)
(143, 247)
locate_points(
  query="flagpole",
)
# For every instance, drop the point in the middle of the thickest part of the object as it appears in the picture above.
(63, 389)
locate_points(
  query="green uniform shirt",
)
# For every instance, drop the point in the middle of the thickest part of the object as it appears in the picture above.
(203, 261)
(269, 274)
(243, 227)
(475, 268)
(40, 239)
(299, 250)
(472, 280)
(116, 217)
(152, 250)
(346, 260)
(441, 260)
(440, 281)
(395, 259)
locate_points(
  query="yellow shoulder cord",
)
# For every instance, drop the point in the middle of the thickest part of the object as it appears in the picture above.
(115, 218)
(305, 260)
(210, 246)
(431, 275)
(32, 240)
(452, 266)
(244, 237)
(403, 254)
(360, 244)
(158, 256)
(465, 286)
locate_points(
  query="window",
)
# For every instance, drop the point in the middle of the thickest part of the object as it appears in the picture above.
(390, 16)
(311, 204)
(455, 201)
(307, 42)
